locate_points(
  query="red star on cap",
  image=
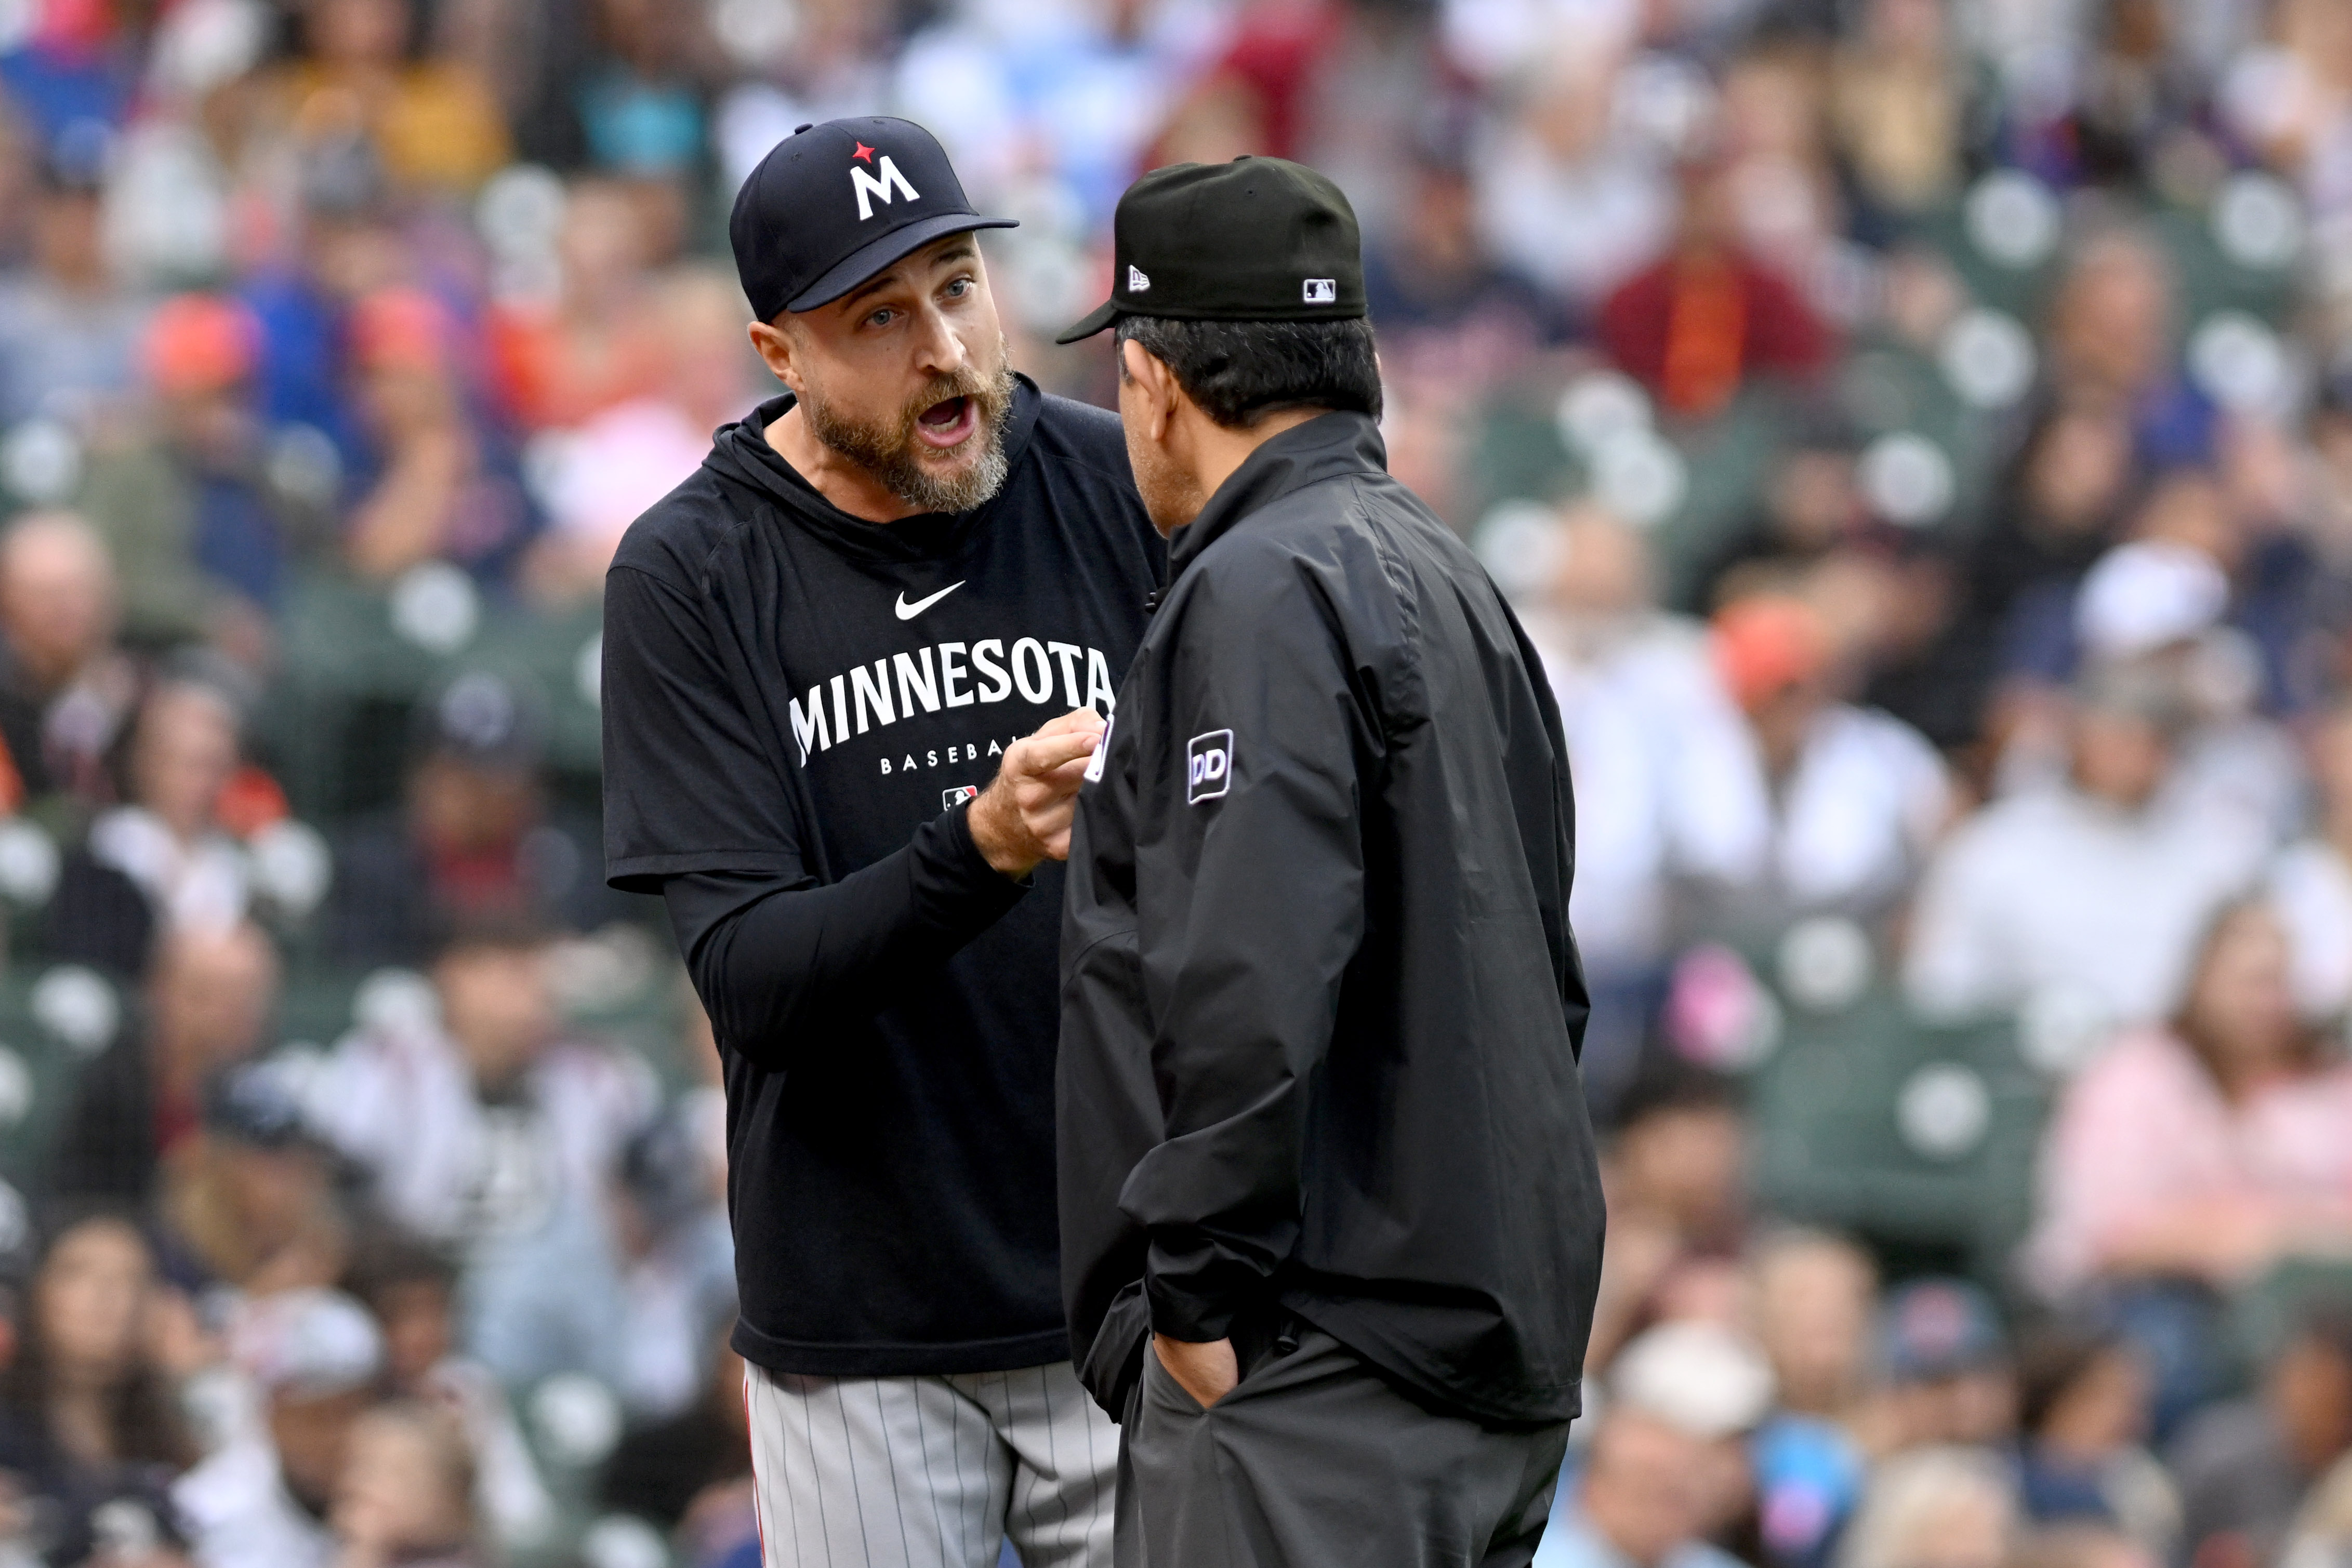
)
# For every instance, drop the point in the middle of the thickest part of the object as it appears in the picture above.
(864, 152)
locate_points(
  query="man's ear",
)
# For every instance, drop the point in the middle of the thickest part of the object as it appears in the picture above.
(774, 346)
(1152, 379)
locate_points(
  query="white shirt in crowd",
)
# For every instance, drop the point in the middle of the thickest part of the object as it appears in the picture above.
(1855, 818)
(1651, 736)
(2052, 889)
(2311, 887)
(453, 1167)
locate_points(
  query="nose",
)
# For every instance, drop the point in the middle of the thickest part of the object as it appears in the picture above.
(939, 351)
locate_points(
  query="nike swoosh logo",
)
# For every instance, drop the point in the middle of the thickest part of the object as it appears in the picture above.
(908, 611)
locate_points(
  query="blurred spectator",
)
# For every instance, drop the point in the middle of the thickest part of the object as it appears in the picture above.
(65, 689)
(1677, 1206)
(2080, 1545)
(1812, 506)
(2245, 1467)
(1813, 1301)
(1851, 799)
(1945, 1368)
(313, 1357)
(1699, 324)
(595, 478)
(2207, 1150)
(1667, 1468)
(86, 1410)
(201, 524)
(679, 1256)
(489, 1131)
(405, 1496)
(2311, 885)
(663, 1469)
(168, 841)
(1902, 100)
(1650, 732)
(210, 1001)
(2112, 332)
(1942, 1507)
(1572, 193)
(435, 487)
(68, 331)
(412, 1290)
(2083, 1411)
(477, 840)
(598, 342)
(252, 1199)
(357, 80)
(2092, 888)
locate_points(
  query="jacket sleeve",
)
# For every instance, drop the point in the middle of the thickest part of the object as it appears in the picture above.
(774, 959)
(1249, 893)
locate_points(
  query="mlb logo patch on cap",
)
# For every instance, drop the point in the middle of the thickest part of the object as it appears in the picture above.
(1322, 291)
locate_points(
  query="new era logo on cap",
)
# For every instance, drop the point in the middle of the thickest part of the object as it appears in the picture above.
(1137, 283)
(1322, 291)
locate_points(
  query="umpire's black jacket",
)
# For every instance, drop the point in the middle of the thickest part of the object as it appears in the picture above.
(1319, 1003)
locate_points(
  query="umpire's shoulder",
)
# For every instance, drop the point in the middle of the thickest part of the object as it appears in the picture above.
(674, 538)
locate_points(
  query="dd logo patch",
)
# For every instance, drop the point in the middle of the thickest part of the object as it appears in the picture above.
(1208, 766)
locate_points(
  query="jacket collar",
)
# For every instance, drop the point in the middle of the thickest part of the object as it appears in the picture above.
(1323, 448)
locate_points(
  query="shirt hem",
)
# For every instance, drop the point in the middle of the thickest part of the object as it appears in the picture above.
(1015, 1353)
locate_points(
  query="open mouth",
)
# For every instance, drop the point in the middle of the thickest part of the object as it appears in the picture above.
(947, 422)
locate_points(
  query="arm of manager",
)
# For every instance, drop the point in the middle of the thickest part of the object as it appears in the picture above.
(772, 950)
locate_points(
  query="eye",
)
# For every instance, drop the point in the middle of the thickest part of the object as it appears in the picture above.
(958, 288)
(881, 318)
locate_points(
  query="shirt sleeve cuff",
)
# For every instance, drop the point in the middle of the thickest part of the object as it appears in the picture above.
(1182, 1315)
(950, 869)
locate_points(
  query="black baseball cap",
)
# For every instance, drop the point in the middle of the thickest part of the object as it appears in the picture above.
(832, 204)
(1257, 239)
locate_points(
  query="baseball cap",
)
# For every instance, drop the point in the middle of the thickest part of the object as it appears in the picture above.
(1699, 1378)
(309, 1343)
(1938, 1328)
(2146, 595)
(832, 204)
(1257, 239)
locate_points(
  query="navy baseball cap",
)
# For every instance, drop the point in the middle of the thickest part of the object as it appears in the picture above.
(832, 204)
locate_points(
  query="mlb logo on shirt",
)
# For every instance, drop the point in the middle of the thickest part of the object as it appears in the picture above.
(1208, 766)
(1322, 291)
(951, 798)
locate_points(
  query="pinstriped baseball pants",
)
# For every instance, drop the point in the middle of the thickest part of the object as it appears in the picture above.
(930, 1472)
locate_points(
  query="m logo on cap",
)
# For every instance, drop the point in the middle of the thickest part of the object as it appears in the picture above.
(870, 186)
(1319, 290)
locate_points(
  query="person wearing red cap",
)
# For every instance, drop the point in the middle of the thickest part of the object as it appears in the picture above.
(191, 509)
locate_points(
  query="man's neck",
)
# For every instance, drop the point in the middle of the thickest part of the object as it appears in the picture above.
(849, 485)
(1213, 451)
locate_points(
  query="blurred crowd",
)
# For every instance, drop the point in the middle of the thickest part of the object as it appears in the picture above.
(1916, 433)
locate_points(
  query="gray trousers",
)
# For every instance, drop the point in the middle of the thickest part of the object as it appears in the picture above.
(930, 1472)
(1315, 1458)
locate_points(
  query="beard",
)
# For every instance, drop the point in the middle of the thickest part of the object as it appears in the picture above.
(889, 449)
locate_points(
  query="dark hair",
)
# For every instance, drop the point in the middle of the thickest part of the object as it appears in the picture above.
(1239, 372)
(1667, 1085)
(2052, 1363)
(142, 1409)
